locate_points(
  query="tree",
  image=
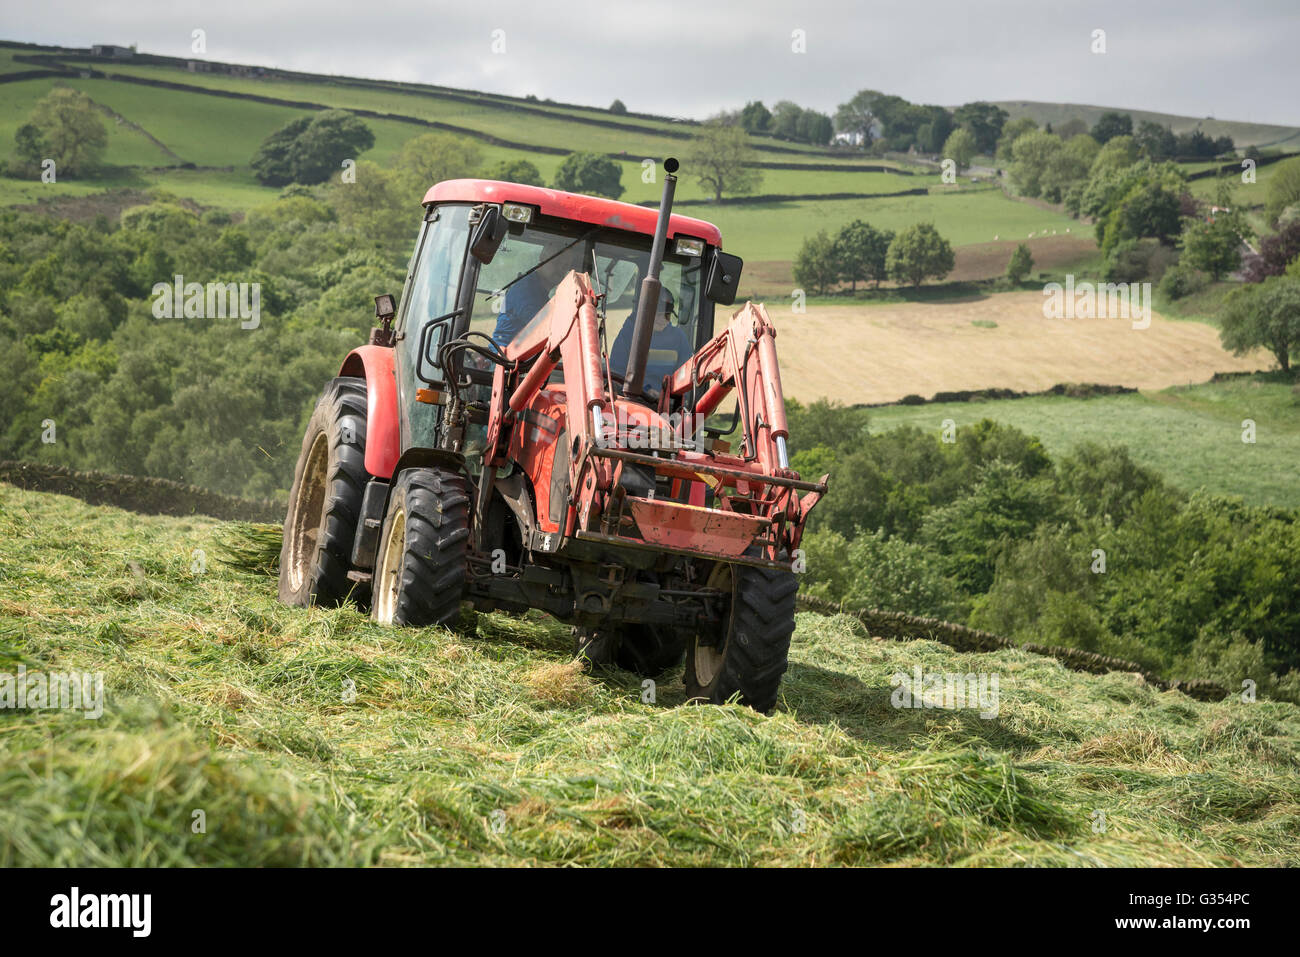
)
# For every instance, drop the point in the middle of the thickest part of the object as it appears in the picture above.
(720, 158)
(1283, 189)
(1120, 153)
(590, 173)
(918, 253)
(1032, 155)
(816, 267)
(857, 117)
(816, 128)
(1213, 247)
(934, 132)
(1071, 128)
(1021, 264)
(64, 126)
(860, 249)
(1110, 125)
(960, 148)
(311, 149)
(516, 171)
(1012, 131)
(785, 119)
(1069, 167)
(755, 117)
(433, 157)
(1263, 315)
(792, 122)
(1155, 141)
(273, 162)
(617, 108)
(1149, 208)
(985, 122)
(1276, 252)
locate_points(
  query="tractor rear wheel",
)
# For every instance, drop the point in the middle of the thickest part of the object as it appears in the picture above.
(644, 650)
(752, 653)
(421, 569)
(325, 501)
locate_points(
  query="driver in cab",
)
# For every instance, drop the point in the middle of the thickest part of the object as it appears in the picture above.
(670, 346)
(528, 295)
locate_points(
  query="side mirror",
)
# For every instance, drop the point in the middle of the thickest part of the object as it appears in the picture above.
(385, 309)
(488, 234)
(724, 279)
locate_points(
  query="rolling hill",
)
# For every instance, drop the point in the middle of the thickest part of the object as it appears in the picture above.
(1242, 133)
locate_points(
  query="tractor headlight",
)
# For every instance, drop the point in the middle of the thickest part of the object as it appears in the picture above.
(690, 247)
(516, 212)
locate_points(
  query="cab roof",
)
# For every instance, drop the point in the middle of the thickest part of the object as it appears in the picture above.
(585, 209)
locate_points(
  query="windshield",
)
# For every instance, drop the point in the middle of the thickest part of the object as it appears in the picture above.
(507, 305)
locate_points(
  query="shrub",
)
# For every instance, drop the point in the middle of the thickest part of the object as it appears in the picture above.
(1021, 264)
(1181, 281)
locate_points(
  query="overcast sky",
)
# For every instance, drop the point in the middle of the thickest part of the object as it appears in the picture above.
(1194, 57)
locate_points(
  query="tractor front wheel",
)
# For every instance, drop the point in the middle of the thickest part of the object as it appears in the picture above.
(421, 569)
(752, 652)
(325, 501)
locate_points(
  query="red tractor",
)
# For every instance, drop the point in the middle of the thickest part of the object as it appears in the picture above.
(514, 447)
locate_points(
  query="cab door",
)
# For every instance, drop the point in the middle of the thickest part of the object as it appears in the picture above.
(426, 319)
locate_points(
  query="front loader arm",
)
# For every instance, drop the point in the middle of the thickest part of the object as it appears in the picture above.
(570, 333)
(742, 357)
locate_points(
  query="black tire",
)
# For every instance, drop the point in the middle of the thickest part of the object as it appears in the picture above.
(754, 650)
(421, 568)
(644, 650)
(325, 501)
(596, 648)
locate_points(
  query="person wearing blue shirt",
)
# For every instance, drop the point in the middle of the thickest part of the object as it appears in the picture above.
(528, 295)
(670, 346)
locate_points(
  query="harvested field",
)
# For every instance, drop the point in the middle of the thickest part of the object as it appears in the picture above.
(880, 353)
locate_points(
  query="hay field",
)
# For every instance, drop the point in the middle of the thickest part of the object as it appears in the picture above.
(880, 353)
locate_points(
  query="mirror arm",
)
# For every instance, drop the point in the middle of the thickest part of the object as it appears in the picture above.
(421, 355)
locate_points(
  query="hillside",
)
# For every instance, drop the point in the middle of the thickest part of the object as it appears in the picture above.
(1242, 133)
(493, 749)
(193, 132)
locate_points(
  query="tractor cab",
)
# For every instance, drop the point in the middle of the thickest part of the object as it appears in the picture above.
(490, 256)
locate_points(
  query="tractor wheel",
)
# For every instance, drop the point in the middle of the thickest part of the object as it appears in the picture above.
(422, 564)
(325, 501)
(752, 653)
(641, 649)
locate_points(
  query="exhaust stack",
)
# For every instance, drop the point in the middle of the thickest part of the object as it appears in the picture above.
(648, 302)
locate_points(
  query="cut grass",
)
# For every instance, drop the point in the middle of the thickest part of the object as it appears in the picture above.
(493, 749)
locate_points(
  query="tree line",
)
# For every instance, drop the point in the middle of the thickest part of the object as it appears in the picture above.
(1090, 550)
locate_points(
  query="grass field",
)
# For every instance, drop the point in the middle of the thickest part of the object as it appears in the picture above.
(492, 748)
(1192, 435)
(773, 231)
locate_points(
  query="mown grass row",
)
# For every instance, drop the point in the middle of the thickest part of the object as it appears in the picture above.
(314, 737)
